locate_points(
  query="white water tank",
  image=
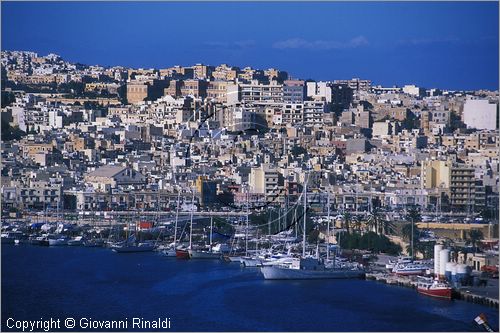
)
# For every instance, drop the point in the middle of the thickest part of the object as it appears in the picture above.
(454, 275)
(437, 249)
(444, 257)
(462, 271)
(450, 268)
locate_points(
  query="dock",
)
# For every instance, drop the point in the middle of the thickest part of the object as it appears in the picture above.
(487, 295)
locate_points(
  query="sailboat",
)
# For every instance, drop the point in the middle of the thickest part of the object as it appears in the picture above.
(133, 245)
(184, 253)
(307, 267)
(247, 260)
(206, 254)
(171, 252)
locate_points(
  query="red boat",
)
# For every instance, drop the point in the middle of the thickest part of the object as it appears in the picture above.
(182, 254)
(434, 288)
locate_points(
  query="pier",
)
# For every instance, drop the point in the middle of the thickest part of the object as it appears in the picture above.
(487, 295)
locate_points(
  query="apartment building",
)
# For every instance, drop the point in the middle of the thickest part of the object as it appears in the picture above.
(196, 88)
(480, 114)
(313, 112)
(217, 91)
(266, 180)
(462, 188)
(294, 91)
(139, 91)
(356, 84)
(255, 93)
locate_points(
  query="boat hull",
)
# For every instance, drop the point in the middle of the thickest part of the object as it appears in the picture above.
(169, 253)
(94, 243)
(249, 262)
(408, 273)
(204, 255)
(280, 273)
(57, 242)
(232, 258)
(438, 293)
(131, 249)
(182, 254)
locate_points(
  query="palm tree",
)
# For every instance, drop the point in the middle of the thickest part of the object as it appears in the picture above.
(409, 234)
(425, 248)
(379, 224)
(357, 224)
(414, 216)
(406, 232)
(372, 223)
(347, 220)
(388, 227)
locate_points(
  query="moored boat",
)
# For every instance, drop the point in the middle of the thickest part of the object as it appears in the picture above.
(61, 241)
(434, 288)
(137, 247)
(97, 242)
(251, 262)
(182, 254)
(229, 258)
(409, 269)
(170, 252)
(39, 240)
(204, 254)
(76, 241)
(309, 269)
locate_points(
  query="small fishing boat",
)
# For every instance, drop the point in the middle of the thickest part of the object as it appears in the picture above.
(135, 247)
(433, 287)
(60, 241)
(76, 241)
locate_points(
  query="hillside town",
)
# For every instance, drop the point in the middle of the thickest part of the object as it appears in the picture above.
(99, 140)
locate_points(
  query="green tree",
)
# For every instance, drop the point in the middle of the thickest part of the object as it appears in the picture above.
(313, 236)
(10, 133)
(474, 237)
(377, 223)
(298, 150)
(425, 248)
(357, 225)
(413, 216)
(346, 221)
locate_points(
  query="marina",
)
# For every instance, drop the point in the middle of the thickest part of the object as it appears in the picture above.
(235, 174)
(276, 258)
(207, 295)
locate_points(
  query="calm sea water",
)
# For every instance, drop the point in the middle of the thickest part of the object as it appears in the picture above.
(206, 295)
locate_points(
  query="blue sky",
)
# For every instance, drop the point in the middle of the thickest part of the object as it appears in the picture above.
(450, 45)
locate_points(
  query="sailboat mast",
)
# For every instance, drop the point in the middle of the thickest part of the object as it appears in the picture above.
(246, 231)
(279, 218)
(304, 233)
(328, 229)
(295, 226)
(211, 230)
(176, 218)
(269, 223)
(191, 224)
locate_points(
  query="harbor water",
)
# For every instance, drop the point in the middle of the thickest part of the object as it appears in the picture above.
(210, 295)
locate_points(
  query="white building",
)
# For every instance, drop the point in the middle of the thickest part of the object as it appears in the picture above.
(411, 90)
(239, 118)
(265, 180)
(480, 114)
(319, 89)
